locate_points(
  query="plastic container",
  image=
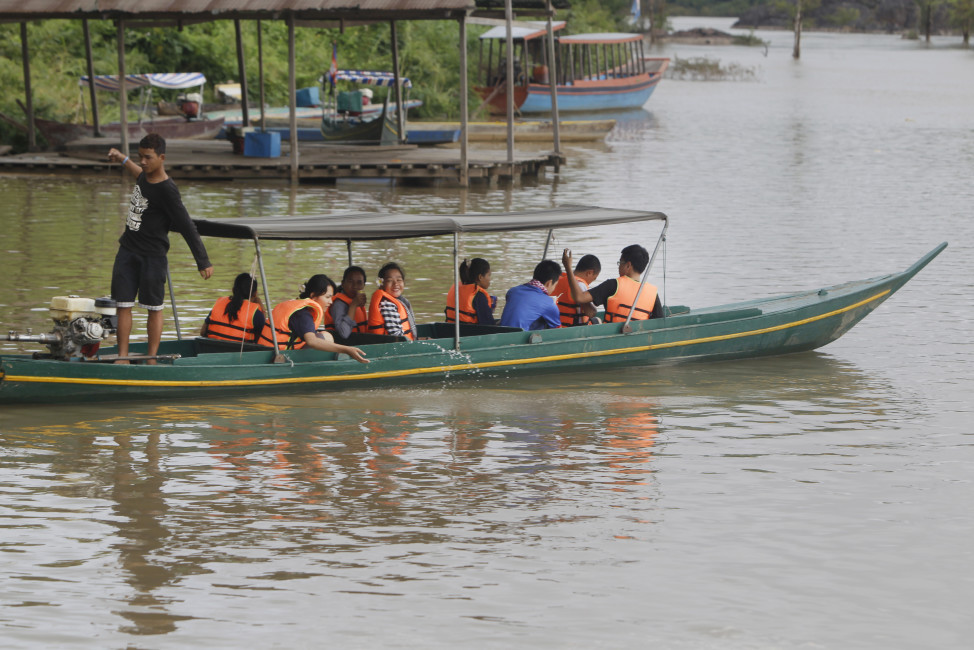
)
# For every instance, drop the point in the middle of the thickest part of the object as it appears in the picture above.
(262, 145)
(309, 96)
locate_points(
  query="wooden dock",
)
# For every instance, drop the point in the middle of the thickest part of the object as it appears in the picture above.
(318, 162)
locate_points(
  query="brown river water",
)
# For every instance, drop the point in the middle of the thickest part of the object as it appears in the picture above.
(820, 500)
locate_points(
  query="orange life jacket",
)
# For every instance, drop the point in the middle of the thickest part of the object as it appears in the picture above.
(377, 324)
(360, 315)
(618, 305)
(220, 326)
(282, 314)
(468, 314)
(570, 312)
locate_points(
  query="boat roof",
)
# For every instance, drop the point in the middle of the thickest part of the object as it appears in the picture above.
(369, 77)
(172, 80)
(526, 30)
(604, 37)
(366, 226)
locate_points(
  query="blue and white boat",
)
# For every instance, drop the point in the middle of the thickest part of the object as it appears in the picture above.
(594, 72)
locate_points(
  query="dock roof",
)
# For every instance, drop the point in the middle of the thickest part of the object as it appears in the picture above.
(206, 10)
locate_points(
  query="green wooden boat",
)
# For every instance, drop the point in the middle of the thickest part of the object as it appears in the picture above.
(201, 367)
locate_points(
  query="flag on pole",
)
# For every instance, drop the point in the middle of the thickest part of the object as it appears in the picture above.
(333, 71)
(635, 9)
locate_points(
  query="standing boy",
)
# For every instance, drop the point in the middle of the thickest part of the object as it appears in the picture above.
(140, 264)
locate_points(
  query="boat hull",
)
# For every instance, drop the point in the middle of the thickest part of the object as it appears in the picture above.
(59, 134)
(780, 325)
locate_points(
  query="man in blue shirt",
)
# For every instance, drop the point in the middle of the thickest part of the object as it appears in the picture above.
(531, 306)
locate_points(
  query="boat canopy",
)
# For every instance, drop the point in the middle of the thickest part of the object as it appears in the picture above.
(170, 80)
(606, 38)
(369, 77)
(522, 30)
(366, 226)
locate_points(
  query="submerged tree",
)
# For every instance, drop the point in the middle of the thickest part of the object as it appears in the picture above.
(962, 15)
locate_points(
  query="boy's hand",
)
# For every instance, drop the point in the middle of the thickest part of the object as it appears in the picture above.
(206, 273)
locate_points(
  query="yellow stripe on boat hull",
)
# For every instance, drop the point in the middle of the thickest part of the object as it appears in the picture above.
(430, 369)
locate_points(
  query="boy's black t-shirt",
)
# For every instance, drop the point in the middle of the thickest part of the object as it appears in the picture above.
(154, 210)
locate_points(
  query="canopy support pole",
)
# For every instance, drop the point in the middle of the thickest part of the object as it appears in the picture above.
(456, 291)
(269, 315)
(91, 78)
(260, 75)
(172, 299)
(348, 245)
(464, 108)
(659, 242)
(25, 55)
(400, 111)
(123, 99)
(293, 95)
(242, 71)
(547, 242)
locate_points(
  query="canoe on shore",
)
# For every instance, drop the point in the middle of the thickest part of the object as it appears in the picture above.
(59, 134)
(199, 367)
(524, 130)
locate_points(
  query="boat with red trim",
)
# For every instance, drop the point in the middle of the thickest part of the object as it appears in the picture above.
(593, 72)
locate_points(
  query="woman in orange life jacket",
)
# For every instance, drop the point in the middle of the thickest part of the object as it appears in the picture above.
(240, 316)
(390, 312)
(297, 321)
(586, 271)
(619, 294)
(348, 312)
(476, 305)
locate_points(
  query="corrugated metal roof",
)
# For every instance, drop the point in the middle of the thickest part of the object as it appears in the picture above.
(224, 9)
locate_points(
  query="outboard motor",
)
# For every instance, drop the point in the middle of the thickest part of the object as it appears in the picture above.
(80, 325)
(190, 105)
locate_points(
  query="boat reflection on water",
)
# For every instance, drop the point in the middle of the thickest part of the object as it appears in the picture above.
(263, 492)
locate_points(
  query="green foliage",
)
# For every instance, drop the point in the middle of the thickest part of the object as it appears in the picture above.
(702, 68)
(727, 8)
(845, 16)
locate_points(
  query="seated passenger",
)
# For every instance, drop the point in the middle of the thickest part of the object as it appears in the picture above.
(530, 306)
(476, 305)
(619, 295)
(347, 313)
(390, 312)
(239, 317)
(586, 271)
(297, 321)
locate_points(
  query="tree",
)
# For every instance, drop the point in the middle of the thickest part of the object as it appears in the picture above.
(962, 15)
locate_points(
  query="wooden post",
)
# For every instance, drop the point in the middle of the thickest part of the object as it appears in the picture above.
(25, 55)
(797, 52)
(509, 82)
(293, 94)
(400, 111)
(464, 169)
(552, 80)
(242, 71)
(91, 78)
(123, 98)
(260, 75)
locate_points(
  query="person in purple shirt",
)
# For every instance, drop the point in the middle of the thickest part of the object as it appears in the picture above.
(531, 306)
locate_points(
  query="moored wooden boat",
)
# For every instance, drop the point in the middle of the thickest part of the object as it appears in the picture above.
(593, 72)
(201, 367)
(524, 130)
(59, 134)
